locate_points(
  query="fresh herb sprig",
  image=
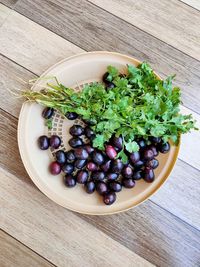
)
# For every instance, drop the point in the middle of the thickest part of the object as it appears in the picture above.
(140, 105)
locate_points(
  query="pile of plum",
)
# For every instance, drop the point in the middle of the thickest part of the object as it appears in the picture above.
(101, 170)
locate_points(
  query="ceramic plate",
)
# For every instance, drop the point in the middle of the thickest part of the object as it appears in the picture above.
(75, 72)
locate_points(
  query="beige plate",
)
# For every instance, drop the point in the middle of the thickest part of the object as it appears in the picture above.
(79, 69)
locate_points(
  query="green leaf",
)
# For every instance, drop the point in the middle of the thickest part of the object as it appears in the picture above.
(49, 123)
(139, 106)
(84, 112)
(158, 130)
(99, 141)
(132, 146)
(112, 71)
(123, 156)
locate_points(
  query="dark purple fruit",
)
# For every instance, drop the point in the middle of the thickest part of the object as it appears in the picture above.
(75, 142)
(115, 186)
(60, 157)
(101, 188)
(117, 165)
(109, 198)
(97, 157)
(134, 157)
(137, 175)
(90, 187)
(155, 140)
(80, 163)
(55, 141)
(98, 176)
(43, 142)
(70, 157)
(110, 85)
(91, 166)
(107, 78)
(128, 183)
(88, 148)
(71, 115)
(139, 164)
(142, 144)
(152, 163)
(111, 152)
(81, 153)
(89, 132)
(47, 113)
(154, 149)
(112, 176)
(116, 149)
(106, 166)
(82, 177)
(117, 142)
(148, 154)
(148, 175)
(69, 180)
(55, 168)
(76, 130)
(67, 168)
(127, 172)
(164, 147)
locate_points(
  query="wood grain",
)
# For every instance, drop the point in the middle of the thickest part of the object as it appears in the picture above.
(104, 31)
(133, 230)
(169, 20)
(12, 78)
(4, 12)
(57, 234)
(185, 188)
(152, 233)
(161, 230)
(64, 237)
(190, 142)
(14, 254)
(9, 3)
(192, 3)
(180, 195)
(33, 46)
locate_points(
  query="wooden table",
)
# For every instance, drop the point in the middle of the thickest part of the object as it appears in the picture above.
(163, 231)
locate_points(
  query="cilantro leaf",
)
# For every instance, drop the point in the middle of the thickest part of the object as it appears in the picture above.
(138, 106)
(132, 146)
(99, 141)
(49, 123)
(123, 156)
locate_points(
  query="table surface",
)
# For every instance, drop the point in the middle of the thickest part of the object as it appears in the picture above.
(163, 231)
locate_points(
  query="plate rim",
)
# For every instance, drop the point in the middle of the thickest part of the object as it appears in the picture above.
(35, 181)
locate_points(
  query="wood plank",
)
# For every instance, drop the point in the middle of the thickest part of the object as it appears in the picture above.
(180, 195)
(9, 3)
(14, 254)
(179, 183)
(192, 3)
(151, 233)
(33, 46)
(190, 142)
(104, 31)
(56, 233)
(11, 78)
(4, 12)
(149, 230)
(171, 21)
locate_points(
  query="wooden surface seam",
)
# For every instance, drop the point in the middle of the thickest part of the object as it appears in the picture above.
(163, 231)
